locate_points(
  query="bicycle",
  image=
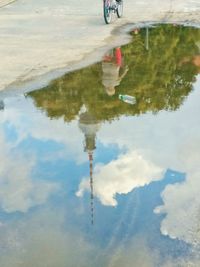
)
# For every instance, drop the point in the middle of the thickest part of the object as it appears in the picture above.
(110, 7)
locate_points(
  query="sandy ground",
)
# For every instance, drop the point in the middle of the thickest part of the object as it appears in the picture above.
(41, 36)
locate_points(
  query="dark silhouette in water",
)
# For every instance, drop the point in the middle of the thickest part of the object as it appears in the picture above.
(2, 105)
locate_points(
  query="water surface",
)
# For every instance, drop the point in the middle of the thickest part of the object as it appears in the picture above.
(89, 180)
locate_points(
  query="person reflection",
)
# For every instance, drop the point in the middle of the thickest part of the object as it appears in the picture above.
(113, 70)
(196, 62)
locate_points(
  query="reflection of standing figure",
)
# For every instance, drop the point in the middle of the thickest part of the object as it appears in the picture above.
(111, 66)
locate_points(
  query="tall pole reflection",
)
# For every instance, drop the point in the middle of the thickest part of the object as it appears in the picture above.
(147, 39)
(89, 126)
(1, 105)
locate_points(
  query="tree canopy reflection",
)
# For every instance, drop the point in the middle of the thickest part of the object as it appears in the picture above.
(159, 77)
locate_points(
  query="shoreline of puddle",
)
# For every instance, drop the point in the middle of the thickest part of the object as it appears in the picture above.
(120, 36)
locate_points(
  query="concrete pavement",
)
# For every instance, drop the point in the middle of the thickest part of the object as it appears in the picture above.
(5, 2)
(40, 36)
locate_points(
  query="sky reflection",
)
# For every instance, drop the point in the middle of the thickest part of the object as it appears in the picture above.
(145, 180)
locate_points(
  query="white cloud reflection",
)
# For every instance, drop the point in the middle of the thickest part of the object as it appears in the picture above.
(155, 143)
(121, 176)
(181, 201)
(42, 240)
(18, 191)
(28, 121)
(45, 238)
(170, 140)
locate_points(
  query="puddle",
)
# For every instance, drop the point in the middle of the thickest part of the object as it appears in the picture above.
(88, 179)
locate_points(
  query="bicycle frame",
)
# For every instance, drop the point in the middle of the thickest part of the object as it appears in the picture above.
(110, 7)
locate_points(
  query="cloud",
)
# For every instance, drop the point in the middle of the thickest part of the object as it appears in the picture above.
(182, 209)
(160, 137)
(181, 202)
(41, 240)
(121, 176)
(45, 238)
(42, 128)
(137, 253)
(18, 191)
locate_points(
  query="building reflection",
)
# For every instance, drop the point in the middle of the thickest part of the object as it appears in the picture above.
(2, 105)
(89, 126)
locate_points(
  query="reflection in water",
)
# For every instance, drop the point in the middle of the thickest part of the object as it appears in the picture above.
(146, 213)
(111, 68)
(19, 191)
(1, 105)
(181, 202)
(120, 176)
(89, 126)
(160, 78)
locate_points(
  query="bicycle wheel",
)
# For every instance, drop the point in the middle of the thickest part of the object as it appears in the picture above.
(120, 8)
(107, 11)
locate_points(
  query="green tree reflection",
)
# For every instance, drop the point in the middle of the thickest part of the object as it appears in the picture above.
(160, 78)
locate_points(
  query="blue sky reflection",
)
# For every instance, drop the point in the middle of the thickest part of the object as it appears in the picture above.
(146, 180)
